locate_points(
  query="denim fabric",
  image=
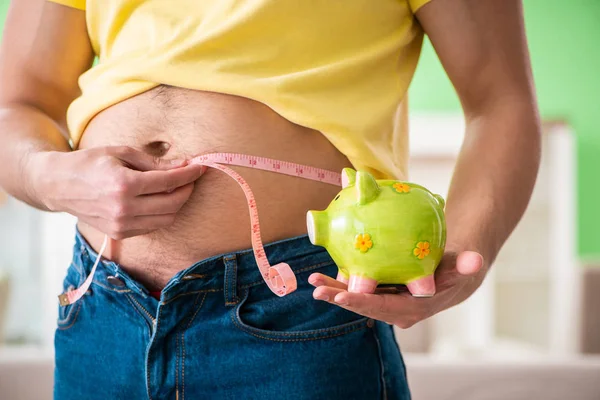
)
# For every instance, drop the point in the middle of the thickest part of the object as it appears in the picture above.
(218, 332)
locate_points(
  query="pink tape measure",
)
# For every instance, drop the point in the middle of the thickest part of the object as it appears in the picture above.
(280, 278)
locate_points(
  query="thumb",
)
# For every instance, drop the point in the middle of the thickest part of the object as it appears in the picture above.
(469, 263)
(141, 161)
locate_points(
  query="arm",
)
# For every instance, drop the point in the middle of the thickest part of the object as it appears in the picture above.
(45, 48)
(482, 46)
(118, 190)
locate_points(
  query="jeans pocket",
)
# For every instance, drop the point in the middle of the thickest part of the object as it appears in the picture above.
(297, 316)
(67, 315)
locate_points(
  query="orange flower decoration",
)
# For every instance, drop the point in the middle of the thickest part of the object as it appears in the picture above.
(401, 187)
(363, 242)
(422, 250)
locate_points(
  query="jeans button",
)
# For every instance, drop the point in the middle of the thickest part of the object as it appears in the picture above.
(113, 280)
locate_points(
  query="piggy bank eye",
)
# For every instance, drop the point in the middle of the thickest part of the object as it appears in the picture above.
(336, 197)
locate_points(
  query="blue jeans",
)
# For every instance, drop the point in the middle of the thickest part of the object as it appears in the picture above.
(218, 332)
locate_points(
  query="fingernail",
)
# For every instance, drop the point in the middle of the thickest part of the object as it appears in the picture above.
(178, 162)
(323, 297)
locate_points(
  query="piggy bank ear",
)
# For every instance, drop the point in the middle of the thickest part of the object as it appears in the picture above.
(367, 188)
(348, 177)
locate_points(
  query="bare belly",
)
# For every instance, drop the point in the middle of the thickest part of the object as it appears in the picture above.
(172, 123)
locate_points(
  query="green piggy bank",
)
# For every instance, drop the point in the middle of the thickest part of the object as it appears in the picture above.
(382, 232)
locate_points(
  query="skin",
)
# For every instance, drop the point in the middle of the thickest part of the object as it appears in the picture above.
(158, 216)
(117, 189)
(120, 180)
(483, 48)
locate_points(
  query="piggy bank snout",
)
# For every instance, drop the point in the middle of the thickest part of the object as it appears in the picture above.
(316, 225)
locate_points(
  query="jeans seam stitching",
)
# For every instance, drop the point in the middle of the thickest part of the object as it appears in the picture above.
(300, 339)
(142, 307)
(227, 273)
(80, 272)
(198, 309)
(230, 274)
(149, 355)
(382, 366)
(64, 328)
(129, 299)
(234, 295)
(183, 342)
(177, 367)
(192, 292)
(300, 336)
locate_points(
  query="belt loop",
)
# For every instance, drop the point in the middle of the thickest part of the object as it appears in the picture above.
(230, 289)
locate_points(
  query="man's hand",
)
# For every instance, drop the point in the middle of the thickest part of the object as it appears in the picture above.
(121, 191)
(483, 49)
(457, 277)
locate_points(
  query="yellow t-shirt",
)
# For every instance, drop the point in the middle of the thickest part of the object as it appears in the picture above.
(340, 67)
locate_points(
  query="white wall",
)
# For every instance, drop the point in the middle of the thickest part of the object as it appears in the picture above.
(20, 255)
(35, 252)
(529, 300)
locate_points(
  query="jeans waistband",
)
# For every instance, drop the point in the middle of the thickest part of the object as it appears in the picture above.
(227, 271)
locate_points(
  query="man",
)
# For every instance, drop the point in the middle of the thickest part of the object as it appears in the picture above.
(177, 308)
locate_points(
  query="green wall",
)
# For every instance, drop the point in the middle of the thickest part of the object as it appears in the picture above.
(564, 41)
(3, 9)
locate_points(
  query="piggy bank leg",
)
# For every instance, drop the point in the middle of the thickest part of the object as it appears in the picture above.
(361, 284)
(422, 287)
(342, 277)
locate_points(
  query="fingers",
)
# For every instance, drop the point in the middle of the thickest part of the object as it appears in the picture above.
(317, 280)
(326, 287)
(469, 263)
(162, 203)
(397, 309)
(326, 293)
(376, 305)
(164, 181)
(140, 161)
(336, 292)
(401, 308)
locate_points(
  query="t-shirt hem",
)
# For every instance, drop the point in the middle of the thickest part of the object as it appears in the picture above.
(78, 4)
(415, 5)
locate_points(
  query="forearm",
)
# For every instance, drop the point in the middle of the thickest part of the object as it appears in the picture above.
(494, 177)
(26, 131)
